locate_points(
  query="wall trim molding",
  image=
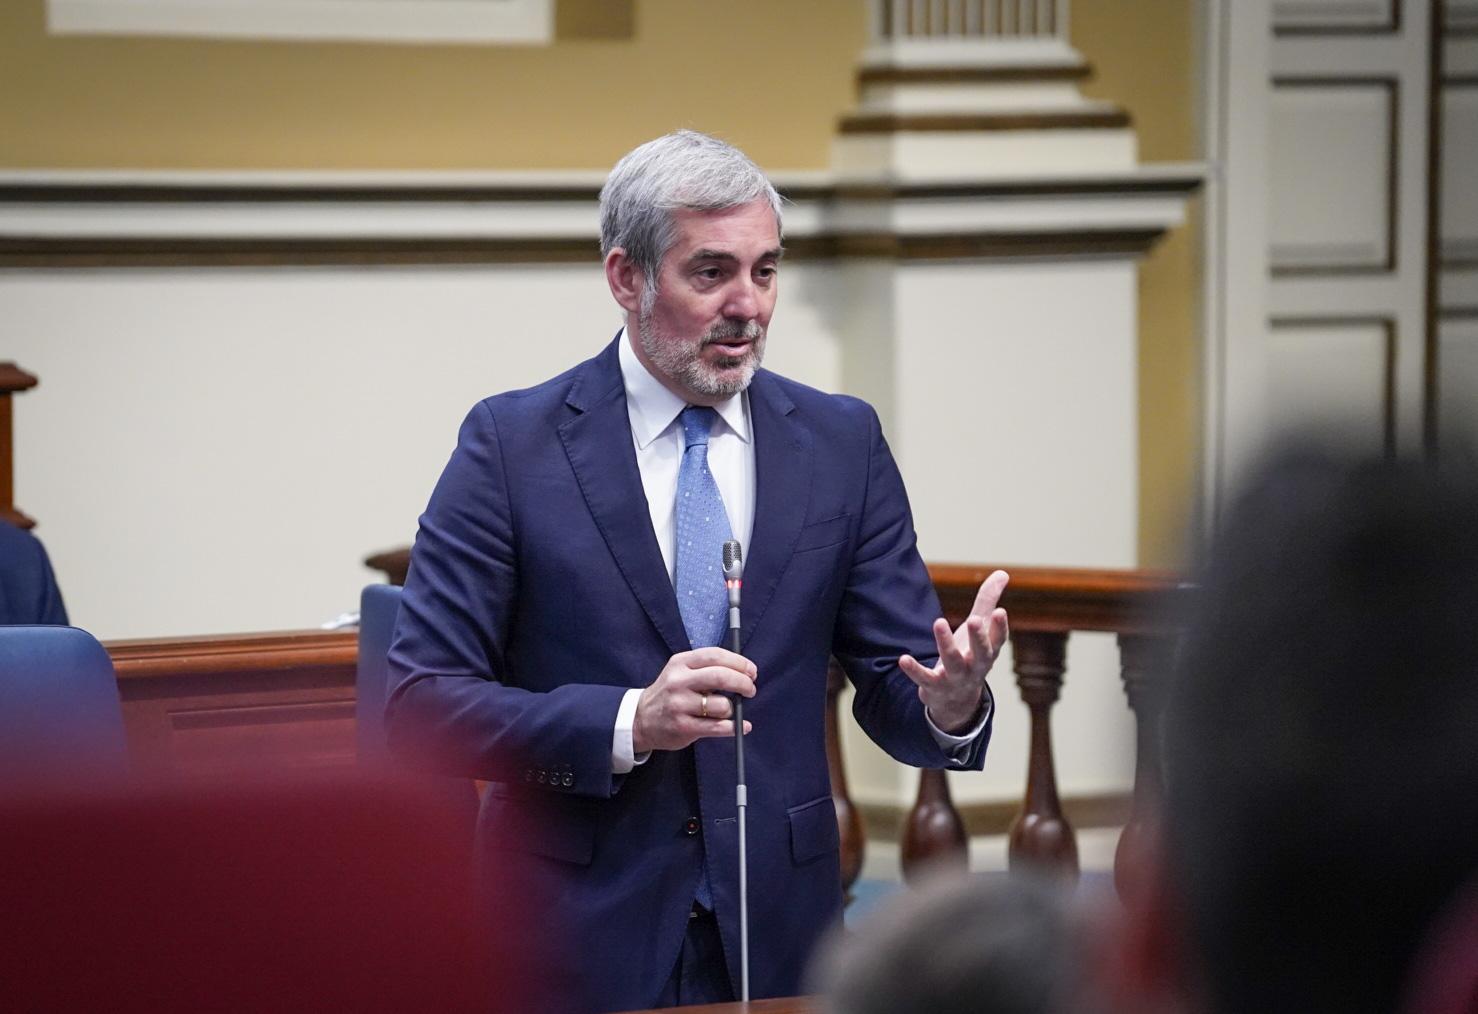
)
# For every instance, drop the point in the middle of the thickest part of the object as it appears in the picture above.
(974, 74)
(1299, 17)
(1072, 119)
(83, 188)
(190, 251)
(66, 220)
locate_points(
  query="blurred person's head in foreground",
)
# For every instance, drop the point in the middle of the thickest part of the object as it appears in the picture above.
(1321, 747)
(963, 945)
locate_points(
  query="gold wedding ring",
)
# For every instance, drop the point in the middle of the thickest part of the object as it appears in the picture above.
(704, 712)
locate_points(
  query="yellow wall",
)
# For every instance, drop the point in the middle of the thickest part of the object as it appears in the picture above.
(770, 75)
(1145, 57)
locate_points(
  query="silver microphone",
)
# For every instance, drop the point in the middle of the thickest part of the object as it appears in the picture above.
(734, 581)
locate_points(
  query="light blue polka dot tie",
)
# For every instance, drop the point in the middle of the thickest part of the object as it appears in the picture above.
(702, 530)
(698, 573)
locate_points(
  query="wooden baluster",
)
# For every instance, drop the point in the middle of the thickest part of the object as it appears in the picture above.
(1144, 663)
(933, 833)
(1041, 835)
(12, 380)
(849, 820)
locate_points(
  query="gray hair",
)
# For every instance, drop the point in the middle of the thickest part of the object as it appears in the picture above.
(684, 169)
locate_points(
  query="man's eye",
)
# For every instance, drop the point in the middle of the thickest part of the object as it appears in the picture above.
(709, 274)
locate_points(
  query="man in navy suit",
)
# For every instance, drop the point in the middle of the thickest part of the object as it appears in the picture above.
(561, 620)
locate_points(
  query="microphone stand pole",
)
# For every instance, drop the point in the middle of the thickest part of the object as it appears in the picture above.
(733, 578)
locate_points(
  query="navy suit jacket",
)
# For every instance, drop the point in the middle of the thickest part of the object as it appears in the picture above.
(28, 588)
(537, 596)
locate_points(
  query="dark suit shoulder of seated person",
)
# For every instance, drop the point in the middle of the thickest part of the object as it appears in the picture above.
(28, 588)
(560, 630)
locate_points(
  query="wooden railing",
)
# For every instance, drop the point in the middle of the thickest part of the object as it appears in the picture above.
(1145, 609)
(196, 706)
(211, 705)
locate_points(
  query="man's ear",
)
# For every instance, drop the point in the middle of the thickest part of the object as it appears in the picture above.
(625, 278)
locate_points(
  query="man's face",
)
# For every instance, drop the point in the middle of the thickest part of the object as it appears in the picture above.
(702, 332)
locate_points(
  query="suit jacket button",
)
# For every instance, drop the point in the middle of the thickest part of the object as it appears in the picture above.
(691, 825)
(567, 780)
(542, 776)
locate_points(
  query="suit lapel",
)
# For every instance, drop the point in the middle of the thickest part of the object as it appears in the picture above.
(782, 468)
(598, 443)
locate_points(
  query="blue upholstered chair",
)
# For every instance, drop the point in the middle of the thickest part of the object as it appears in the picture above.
(379, 605)
(59, 709)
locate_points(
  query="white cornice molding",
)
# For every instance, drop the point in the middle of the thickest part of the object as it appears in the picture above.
(529, 215)
(969, 52)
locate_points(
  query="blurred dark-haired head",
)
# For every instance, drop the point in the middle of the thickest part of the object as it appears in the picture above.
(1321, 784)
(965, 945)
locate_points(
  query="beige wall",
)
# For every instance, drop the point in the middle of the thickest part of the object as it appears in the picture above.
(1145, 55)
(770, 75)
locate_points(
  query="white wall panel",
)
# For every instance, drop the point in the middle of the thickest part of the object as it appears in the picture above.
(1334, 15)
(1331, 376)
(216, 451)
(1458, 385)
(1037, 467)
(1458, 289)
(1459, 222)
(1330, 180)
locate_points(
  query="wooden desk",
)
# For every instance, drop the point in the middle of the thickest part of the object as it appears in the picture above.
(781, 1005)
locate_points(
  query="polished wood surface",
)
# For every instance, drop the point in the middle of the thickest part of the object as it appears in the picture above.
(1041, 836)
(216, 655)
(1071, 598)
(933, 831)
(1145, 667)
(237, 704)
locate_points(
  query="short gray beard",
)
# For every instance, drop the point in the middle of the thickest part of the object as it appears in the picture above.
(682, 362)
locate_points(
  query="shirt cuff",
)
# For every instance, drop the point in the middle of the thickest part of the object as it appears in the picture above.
(623, 751)
(957, 748)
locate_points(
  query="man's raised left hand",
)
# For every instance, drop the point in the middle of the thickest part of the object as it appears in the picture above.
(952, 691)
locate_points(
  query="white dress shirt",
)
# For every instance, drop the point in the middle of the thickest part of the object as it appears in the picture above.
(653, 411)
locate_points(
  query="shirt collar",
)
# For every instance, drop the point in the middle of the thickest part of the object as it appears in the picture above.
(652, 407)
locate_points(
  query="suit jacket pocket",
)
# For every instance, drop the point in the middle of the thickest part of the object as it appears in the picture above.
(556, 828)
(813, 830)
(823, 534)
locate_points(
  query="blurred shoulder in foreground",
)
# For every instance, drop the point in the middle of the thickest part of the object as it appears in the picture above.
(1320, 819)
